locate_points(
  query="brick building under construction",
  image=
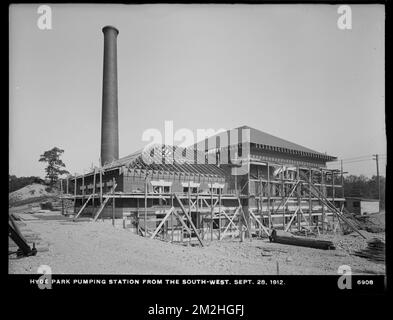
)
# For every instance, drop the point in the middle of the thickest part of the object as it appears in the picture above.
(251, 183)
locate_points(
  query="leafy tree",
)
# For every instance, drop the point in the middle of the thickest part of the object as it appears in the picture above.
(361, 186)
(55, 165)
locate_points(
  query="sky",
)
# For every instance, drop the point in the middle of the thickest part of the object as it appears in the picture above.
(287, 70)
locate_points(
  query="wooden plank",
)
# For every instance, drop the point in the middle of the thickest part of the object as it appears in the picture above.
(244, 217)
(231, 222)
(189, 219)
(323, 206)
(145, 222)
(83, 208)
(100, 185)
(101, 208)
(260, 223)
(162, 222)
(211, 213)
(287, 198)
(268, 195)
(326, 202)
(219, 214)
(292, 218)
(94, 190)
(182, 222)
(104, 204)
(113, 204)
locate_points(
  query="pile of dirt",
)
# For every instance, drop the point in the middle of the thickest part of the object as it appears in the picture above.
(32, 193)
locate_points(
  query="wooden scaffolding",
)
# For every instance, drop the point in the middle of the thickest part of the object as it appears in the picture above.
(302, 199)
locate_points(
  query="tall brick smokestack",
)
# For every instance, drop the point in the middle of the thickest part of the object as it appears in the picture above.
(109, 120)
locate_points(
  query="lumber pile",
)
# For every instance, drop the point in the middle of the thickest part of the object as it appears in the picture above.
(287, 238)
(375, 251)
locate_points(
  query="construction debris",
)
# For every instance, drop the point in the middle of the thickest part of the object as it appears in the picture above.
(375, 251)
(287, 238)
(367, 222)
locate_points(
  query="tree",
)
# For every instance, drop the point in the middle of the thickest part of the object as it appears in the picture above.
(361, 186)
(55, 164)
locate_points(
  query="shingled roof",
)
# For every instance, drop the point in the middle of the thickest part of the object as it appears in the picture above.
(259, 137)
(269, 142)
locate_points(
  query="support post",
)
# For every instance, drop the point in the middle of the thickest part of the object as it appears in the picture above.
(219, 214)
(100, 186)
(323, 206)
(94, 192)
(113, 202)
(342, 179)
(62, 201)
(376, 156)
(309, 198)
(211, 212)
(260, 202)
(283, 195)
(299, 189)
(172, 217)
(75, 183)
(146, 205)
(83, 188)
(333, 191)
(268, 196)
(189, 203)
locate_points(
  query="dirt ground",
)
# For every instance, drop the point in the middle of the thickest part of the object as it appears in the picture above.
(86, 247)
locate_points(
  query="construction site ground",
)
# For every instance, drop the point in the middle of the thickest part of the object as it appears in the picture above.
(86, 247)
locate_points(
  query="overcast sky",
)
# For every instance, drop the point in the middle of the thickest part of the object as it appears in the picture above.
(284, 69)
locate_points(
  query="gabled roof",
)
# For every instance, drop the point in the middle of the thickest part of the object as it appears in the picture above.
(182, 162)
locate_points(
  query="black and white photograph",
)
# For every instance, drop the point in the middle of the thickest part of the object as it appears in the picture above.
(204, 141)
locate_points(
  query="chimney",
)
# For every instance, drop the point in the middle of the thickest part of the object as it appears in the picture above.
(109, 120)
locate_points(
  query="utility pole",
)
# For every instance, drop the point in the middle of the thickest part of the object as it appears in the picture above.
(379, 185)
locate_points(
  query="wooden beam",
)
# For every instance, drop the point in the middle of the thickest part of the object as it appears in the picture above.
(268, 195)
(189, 219)
(113, 203)
(292, 218)
(145, 203)
(94, 190)
(162, 222)
(83, 207)
(182, 222)
(100, 185)
(260, 223)
(211, 212)
(104, 204)
(219, 215)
